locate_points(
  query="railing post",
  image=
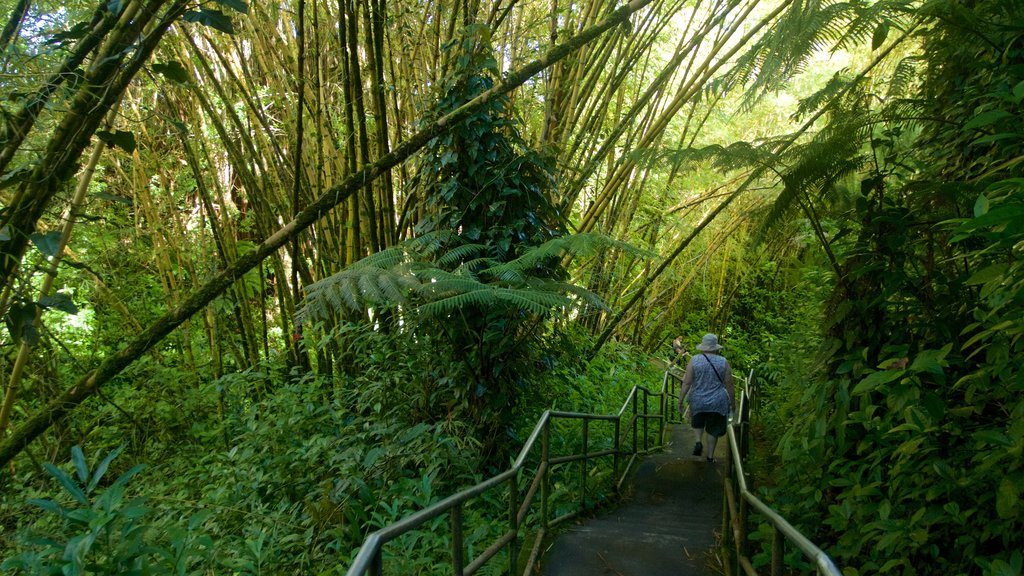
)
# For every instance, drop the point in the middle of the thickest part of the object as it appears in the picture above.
(616, 457)
(545, 458)
(513, 521)
(583, 465)
(647, 443)
(778, 551)
(377, 564)
(635, 443)
(457, 546)
(741, 543)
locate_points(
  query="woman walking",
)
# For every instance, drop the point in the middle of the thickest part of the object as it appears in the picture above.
(707, 386)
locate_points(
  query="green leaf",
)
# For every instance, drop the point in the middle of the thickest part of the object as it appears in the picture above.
(989, 138)
(124, 478)
(1007, 497)
(48, 505)
(987, 118)
(16, 176)
(114, 198)
(5, 234)
(213, 18)
(994, 438)
(198, 518)
(1018, 92)
(102, 468)
(980, 205)
(236, 5)
(876, 379)
(78, 458)
(881, 33)
(987, 274)
(172, 70)
(68, 484)
(76, 32)
(121, 139)
(1000, 568)
(62, 302)
(47, 243)
(931, 360)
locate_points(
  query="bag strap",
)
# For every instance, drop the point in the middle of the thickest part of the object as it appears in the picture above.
(713, 368)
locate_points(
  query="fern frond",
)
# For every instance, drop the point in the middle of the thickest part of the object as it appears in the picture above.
(441, 288)
(904, 77)
(354, 289)
(530, 301)
(836, 85)
(823, 162)
(577, 293)
(583, 244)
(460, 254)
(387, 258)
(723, 158)
(433, 242)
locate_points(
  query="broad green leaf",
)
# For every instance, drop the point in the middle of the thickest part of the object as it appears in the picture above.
(47, 243)
(81, 468)
(48, 505)
(1007, 497)
(1007, 214)
(198, 518)
(876, 379)
(980, 205)
(931, 360)
(172, 70)
(987, 274)
(989, 138)
(62, 302)
(97, 474)
(124, 478)
(121, 139)
(76, 32)
(879, 36)
(236, 5)
(987, 119)
(1018, 92)
(1000, 568)
(213, 18)
(16, 176)
(114, 198)
(68, 484)
(993, 437)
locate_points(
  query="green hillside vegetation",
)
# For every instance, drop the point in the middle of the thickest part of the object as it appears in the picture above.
(276, 275)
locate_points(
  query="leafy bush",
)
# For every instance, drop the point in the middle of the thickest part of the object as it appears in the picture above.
(96, 530)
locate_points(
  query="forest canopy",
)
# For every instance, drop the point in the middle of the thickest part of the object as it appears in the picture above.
(350, 251)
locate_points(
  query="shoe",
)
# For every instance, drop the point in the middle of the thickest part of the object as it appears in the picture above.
(711, 460)
(697, 449)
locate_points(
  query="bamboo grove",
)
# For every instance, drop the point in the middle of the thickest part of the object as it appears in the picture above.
(307, 194)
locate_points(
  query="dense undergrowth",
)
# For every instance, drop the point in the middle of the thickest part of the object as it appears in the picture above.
(286, 481)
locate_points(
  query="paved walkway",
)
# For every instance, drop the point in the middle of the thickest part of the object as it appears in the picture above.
(666, 525)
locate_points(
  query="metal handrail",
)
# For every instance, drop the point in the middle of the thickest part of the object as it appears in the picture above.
(369, 559)
(738, 514)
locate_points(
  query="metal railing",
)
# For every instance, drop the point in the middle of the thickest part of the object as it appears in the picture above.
(739, 500)
(638, 413)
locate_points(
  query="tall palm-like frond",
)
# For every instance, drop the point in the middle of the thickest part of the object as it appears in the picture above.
(419, 277)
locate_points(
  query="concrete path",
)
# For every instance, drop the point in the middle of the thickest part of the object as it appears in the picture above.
(666, 525)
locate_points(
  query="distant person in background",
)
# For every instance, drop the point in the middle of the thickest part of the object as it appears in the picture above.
(679, 350)
(707, 387)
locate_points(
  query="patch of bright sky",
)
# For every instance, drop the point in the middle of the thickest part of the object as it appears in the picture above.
(773, 113)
